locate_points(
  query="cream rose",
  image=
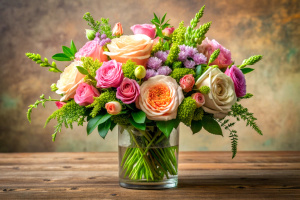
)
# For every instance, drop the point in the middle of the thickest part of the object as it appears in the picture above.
(160, 97)
(135, 47)
(69, 81)
(221, 96)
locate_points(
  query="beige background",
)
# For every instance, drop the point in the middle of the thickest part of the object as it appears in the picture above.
(270, 28)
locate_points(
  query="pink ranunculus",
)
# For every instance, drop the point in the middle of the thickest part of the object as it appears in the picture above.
(85, 94)
(117, 30)
(110, 74)
(199, 98)
(93, 50)
(168, 31)
(207, 47)
(238, 79)
(128, 91)
(60, 104)
(146, 29)
(187, 82)
(113, 107)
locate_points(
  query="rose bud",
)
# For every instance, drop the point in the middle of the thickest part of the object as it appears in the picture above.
(59, 104)
(90, 34)
(199, 98)
(168, 31)
(113, 107)
(140, 72)
(187, 82)
(117, 30)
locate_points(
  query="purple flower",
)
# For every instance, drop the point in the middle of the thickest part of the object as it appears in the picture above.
(199, 58)
(164, 70)
(103, 36)
(182, 56)
(238, 79)
(161, 55)
(190, 51)
(189, 64)
(182, 47)
(154, 63)
(150, 73)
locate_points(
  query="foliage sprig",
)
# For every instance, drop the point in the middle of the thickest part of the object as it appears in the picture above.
(43, 63)
(160, 25)
(232, 134)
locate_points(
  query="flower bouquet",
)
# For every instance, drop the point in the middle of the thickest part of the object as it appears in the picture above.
(147, 83)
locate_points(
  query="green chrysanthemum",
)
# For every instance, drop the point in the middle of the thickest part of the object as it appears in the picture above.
(186, 110)
(178, 73)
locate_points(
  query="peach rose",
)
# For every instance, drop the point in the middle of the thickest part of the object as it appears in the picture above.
(187, 82)
(160, 97)
(117, 30)
(113, 107)
(69, 81)
(134, 47)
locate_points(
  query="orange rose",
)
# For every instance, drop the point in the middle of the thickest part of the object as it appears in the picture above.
(134, 47)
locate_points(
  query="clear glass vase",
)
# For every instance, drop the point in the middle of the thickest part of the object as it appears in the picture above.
(148, 159)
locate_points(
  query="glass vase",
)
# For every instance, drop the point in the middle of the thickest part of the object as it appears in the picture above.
(147, 159)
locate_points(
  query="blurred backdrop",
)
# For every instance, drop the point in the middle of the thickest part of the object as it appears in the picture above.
(267, 27)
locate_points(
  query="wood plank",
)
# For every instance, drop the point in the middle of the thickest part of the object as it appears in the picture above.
(202, 175)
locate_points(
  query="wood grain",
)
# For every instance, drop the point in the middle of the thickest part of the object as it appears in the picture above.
(202, 175)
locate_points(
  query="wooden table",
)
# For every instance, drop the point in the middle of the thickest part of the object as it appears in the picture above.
(202, 175)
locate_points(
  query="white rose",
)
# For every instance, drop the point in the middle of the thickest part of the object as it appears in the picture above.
(160, 97)
(221, 96)
(69, 81)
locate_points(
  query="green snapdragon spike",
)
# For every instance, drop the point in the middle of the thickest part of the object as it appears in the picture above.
(43, 63)
(250, 61)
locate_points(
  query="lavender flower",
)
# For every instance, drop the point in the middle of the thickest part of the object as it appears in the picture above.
(182, 47)
(154, 63)
(189, 64)
(182, 56)
(164, 70)
(104, 41)
(103, 36)
(199, 58)
(161, 55)
(150, 73)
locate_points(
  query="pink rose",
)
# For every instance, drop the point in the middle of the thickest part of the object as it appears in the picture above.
(168, 31)
(199, 98)
(85, 94)
(238, 79)
(110, 74)
(209, 46)
(93, 50)
(187, 82)
(113, 107)
(128, 91)
(146, 29)
(59, 104)
(117, 30)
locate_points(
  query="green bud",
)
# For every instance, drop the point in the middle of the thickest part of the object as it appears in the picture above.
(45, 60)
(53, 87)
(140, 72)
(204, 89)
(42, 96)
(90, 34)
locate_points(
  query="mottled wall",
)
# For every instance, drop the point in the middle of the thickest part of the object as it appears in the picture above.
(270, 28)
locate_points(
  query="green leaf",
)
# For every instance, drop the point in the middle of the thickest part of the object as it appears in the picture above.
(82, 70)
(198, 70)
(136, 125)
(163, 19)
(68, 52)
(155, 17)
(112, 125)
(196, 126)
(246, 70)
(139, 117)
(104, 128)
(167, 126)
(73, 47)
(61, 57)
(211, 125)
(131, 106)
(94, 122)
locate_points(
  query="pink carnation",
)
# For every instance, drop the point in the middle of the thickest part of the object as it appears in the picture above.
(110, 74)
(187, 82)
(93, 50)
(238, 79)
(128, 91)
(146, 29)
(209, 46)
(59, 104)
(85, 94)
